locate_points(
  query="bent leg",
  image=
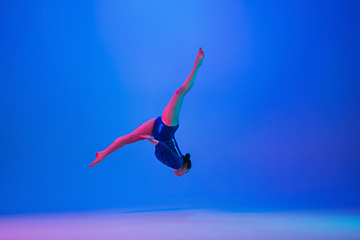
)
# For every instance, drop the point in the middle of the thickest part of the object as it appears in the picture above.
(144, 129)
(170, 116)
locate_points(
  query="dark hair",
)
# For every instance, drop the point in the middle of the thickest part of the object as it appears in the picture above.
(187, 161)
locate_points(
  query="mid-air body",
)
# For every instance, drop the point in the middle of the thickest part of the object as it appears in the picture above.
(160, 130)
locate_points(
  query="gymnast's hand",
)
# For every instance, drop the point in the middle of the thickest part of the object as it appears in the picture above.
(150, 138)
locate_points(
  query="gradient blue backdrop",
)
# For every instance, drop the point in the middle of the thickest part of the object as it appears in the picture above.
(271, 122)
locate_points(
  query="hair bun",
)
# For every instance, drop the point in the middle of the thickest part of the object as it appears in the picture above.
(187, 156)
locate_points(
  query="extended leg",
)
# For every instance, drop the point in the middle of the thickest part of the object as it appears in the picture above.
(144, 129)
(171, 112)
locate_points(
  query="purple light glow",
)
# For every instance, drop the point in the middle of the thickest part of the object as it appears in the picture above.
(186, 224)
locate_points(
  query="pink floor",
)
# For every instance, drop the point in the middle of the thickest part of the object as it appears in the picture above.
(184, 224)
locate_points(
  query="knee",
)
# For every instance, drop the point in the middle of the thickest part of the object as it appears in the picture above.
(182, 90)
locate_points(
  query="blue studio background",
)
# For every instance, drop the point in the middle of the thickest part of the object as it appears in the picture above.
(272, 121)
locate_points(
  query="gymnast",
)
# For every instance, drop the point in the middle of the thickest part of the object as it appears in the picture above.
(160, 130)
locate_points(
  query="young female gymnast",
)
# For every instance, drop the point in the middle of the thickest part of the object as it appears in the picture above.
(160, 130)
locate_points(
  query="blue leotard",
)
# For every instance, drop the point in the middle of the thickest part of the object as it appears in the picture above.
(167, 150)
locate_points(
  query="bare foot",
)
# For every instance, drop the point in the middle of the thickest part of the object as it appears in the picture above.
(199, 58)
(98, 159)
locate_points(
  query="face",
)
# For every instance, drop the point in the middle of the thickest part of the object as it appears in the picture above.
(180, 172)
